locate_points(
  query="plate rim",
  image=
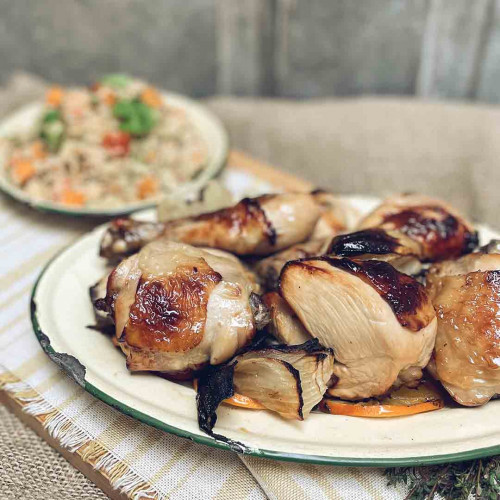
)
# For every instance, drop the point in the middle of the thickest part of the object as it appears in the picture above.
(214, 166)
(44, 342)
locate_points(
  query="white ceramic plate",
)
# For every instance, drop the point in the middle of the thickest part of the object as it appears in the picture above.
(210, 127)
(61, 310)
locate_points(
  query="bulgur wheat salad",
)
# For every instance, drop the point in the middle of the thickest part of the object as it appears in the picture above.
(114, 143)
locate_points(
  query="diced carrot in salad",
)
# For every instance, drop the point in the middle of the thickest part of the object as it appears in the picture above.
(23, 171)
(38, 150)
(54, 96)
(147, 187)
(151, 97)
(72, 197)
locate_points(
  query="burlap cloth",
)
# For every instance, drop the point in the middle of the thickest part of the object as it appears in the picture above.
(367, 145)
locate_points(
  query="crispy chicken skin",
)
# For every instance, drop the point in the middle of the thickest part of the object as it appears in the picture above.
(254, 226)
(177, 308)
(466, 296)
(378, 244)
(441, 232)
(379, 322)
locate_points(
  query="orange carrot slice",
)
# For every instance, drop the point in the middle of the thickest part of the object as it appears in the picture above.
(23, 171)
(73, 198)
(147, 187)
(401, 402)
(151, 97)
(54, 96)
(238, 400)
(38, 150)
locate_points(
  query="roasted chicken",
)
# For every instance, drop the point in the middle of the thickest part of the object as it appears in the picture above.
(436, 227)
(378, 244)
(379, 322)
(466, 296)
(284, 325)
(177, 308)
(255, 226)
(269, 268)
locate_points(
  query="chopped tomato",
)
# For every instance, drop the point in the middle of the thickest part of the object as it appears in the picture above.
(71, 197)
(117, 143)
(54, 96)
(147, 187)
(23, 171)
(151, 97)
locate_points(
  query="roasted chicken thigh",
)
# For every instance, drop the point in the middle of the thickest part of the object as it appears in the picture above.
(254, 226)
(177, 308)
(466, 296)
(379, 322)
(440, 231)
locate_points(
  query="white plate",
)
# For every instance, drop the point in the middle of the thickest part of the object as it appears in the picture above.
(61, 310)
(211, 129)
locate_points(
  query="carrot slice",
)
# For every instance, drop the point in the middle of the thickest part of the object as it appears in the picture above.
(110, 99)
(38, 150)
(54, 96)
(403, 401)
(146, 187)
(335, 407)
(71, 197)
(151, 97)
(238, 400)
(23, 171)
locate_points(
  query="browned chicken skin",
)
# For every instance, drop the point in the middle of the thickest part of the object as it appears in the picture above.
(177, 308)
(254, 226)
(379, 322)
(466, 296)
(441, 232)
(378, 244)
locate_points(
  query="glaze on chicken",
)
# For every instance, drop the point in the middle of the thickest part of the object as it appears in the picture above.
(254, 226)
(177, 308)
(440, 231)
(466, 296)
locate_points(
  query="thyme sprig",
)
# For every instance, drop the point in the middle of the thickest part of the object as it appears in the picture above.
(476, 479)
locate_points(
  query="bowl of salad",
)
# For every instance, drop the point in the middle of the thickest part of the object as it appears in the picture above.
(112, 148)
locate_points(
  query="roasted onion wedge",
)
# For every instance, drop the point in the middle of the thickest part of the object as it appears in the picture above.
(289, 380)
(404, 401)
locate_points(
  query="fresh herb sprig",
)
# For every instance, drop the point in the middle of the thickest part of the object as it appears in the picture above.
(477, 479)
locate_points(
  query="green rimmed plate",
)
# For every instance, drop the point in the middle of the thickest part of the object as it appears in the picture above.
(211, 129)
(61, 312)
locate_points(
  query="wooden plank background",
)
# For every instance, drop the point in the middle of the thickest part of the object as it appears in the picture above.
(289, 48)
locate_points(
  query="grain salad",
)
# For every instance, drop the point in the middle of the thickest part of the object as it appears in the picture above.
(116, 142)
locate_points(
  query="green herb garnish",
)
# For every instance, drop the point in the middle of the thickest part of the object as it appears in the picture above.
(478, 479)
(136, 118)
(52, 130)
(116, 80)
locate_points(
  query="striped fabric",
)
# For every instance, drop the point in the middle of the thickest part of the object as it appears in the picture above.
(138, 460)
